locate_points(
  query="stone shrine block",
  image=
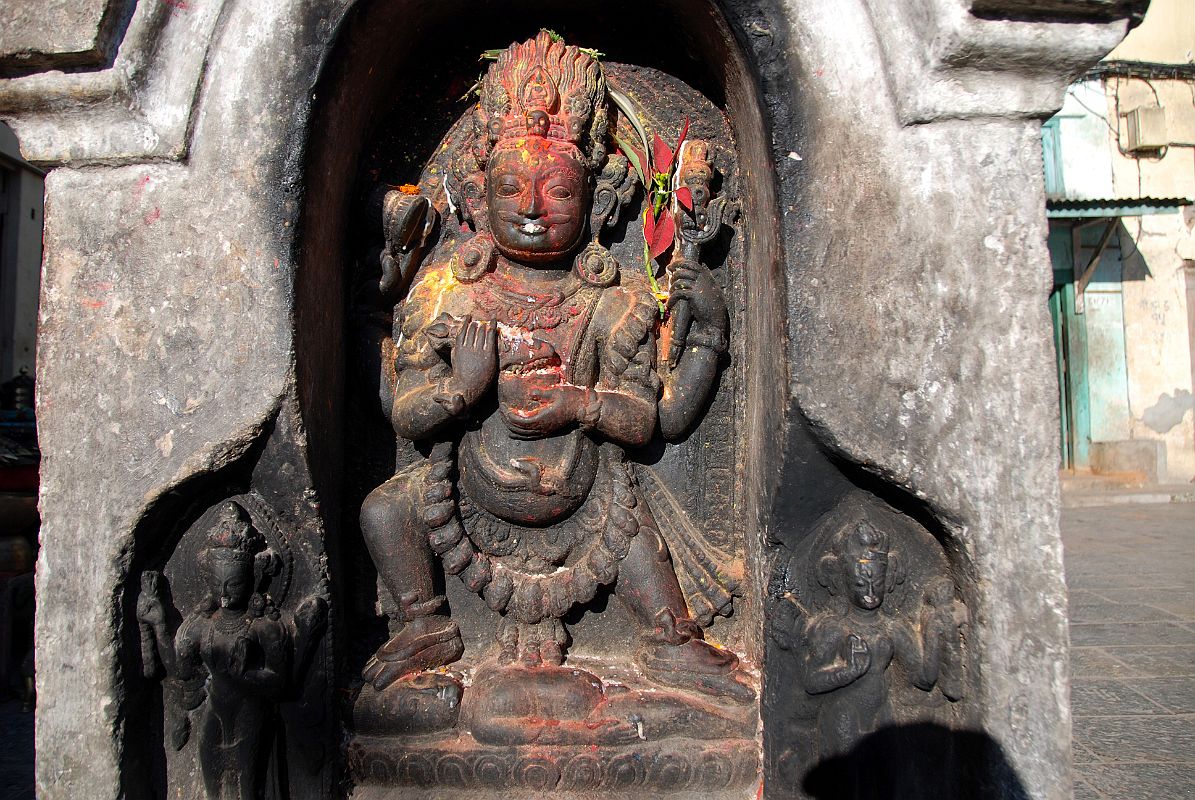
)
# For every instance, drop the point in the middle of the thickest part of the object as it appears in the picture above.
(661, 404)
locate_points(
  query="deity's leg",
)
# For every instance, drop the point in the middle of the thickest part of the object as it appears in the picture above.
(213, 761)
(673, 652)
(397, 538)
(647, 582)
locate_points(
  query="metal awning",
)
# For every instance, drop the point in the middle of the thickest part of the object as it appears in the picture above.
(1113, 207)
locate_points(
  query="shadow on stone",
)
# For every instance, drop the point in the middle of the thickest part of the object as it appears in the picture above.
(916, 761)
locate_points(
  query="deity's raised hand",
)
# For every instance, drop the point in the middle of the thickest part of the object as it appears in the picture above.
(475, 358)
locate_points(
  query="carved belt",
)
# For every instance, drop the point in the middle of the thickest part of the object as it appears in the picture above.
(609, 522)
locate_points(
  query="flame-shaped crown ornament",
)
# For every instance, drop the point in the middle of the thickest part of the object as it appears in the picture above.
(543, 88)
(865, 543)
(233, 535)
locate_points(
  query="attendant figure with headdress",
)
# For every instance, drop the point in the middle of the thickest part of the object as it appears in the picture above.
(232, 659)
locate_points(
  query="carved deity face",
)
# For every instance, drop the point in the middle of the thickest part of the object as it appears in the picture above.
(230, 579)
(867, 582)
(538, 197)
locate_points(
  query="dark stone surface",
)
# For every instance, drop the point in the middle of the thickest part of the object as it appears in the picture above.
(16, 752)
(1085, 10)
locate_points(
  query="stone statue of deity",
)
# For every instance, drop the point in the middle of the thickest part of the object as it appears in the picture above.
(528, 363)
(232, 659)
(847, 650)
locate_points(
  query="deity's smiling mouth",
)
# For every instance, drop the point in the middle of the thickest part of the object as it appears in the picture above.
(532, 228)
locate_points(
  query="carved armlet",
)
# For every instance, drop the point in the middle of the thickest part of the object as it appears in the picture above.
(448, 398)
(709, 338)
(590, 413)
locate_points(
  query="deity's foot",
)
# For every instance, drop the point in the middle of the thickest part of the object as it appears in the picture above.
(422, 643)
(425, 702)
(543, 706)
(532, 645)
(696, 664)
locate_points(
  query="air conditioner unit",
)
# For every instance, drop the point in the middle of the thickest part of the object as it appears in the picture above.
(1145, 129)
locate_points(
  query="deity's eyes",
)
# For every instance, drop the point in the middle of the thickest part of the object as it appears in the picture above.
(560, 192)
(508, 190)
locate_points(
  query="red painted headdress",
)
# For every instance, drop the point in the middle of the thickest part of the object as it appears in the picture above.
(543, 88)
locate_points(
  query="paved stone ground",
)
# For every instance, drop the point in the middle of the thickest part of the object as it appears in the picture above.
(1131, 574)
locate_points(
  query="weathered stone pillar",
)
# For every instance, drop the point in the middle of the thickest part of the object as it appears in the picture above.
(194, 350)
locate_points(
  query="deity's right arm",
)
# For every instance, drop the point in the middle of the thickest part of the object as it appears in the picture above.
(157, 643)
(423, 404)
(825, 668)
(426, 394)
(186, 646)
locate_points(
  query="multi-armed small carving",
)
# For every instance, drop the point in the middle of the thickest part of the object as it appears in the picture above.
(233, 657)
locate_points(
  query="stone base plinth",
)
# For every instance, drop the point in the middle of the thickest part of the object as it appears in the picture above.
(563, 729)
(458, 766)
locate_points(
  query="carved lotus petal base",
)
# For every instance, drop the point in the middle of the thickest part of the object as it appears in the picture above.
(531, 729)
(450, 768)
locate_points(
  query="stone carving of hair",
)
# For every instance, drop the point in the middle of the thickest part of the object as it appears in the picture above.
(863, 541)
(233, 534)
(233, 537)
(858, 541)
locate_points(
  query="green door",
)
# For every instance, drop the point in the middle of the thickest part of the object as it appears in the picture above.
(1070, 348)
(1093, 396)
(1058, 317)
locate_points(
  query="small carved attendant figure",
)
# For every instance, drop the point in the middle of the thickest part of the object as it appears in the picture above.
(849, 648)
(244, 646)
(527, 361)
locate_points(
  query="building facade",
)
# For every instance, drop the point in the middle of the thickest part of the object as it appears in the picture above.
(1120, 175)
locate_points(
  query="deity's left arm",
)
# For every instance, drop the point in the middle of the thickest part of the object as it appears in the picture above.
(689, 382)
(685, 390)
(310, 621)
(272, 636)
(941, 619)
(919, 649)
(622, 406)
(625, 419)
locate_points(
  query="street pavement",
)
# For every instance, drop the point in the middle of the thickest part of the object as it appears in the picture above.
(1131, 574)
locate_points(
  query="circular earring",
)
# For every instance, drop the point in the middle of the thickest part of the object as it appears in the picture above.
(473, 259)
(596, 265)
